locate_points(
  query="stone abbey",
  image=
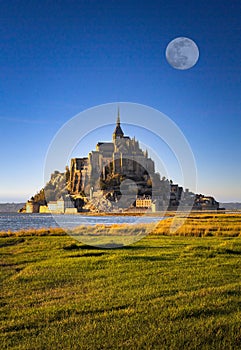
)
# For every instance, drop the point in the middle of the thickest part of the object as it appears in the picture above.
(112, 163)
(122, 167)
(118, 176)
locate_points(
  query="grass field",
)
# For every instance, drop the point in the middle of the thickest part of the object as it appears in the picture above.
(164, 292)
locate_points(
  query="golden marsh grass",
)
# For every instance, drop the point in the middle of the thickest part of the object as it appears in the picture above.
(199, 225)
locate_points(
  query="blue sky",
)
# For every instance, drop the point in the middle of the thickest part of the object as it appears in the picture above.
(58, 58)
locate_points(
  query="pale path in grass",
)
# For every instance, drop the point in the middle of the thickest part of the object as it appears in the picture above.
(15, 222)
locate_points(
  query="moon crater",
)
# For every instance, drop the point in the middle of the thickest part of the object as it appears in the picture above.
(182, 53)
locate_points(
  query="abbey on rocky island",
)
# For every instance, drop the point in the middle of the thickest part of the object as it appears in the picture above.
(117, 176)
(121, 166)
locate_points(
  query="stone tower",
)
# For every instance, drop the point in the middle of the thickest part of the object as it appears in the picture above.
(118, 133)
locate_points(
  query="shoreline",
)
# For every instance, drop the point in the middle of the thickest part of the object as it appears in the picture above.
(201, 224)
(168, 213)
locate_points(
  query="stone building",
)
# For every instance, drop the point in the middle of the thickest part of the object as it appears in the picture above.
(143, 202)
(61, 206)
(122, 167)
(32, 206)
(116, 176)
(175, 194)
(111, 163)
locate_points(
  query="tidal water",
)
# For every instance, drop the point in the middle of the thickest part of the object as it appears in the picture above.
(16, 221)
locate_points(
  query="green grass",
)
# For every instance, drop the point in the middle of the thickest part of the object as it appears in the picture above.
(163, 292)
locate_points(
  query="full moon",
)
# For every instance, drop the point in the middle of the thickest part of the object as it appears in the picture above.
(182, 53)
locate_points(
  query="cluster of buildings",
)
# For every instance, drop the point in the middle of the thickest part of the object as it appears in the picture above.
(122, 157)
(116, 168)
(60, 206)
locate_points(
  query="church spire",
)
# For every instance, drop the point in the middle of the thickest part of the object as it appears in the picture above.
(118, 133)
(118, 117)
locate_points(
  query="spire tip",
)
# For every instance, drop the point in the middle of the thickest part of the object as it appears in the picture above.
(118, 115)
